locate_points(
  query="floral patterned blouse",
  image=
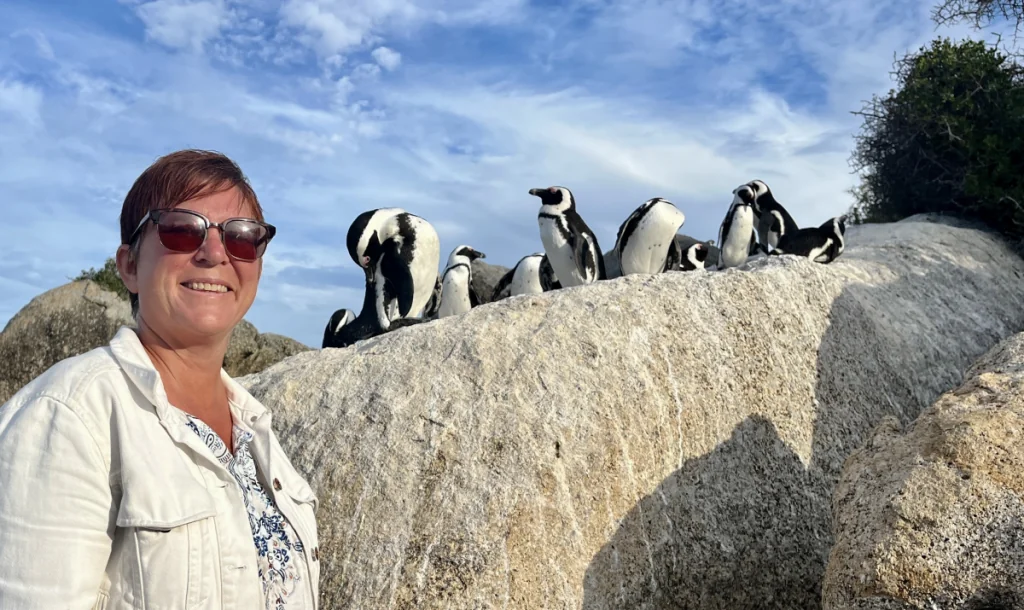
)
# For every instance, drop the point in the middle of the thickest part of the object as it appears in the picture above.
(279, 551)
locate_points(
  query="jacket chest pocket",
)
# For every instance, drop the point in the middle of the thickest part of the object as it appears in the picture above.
(174, 567)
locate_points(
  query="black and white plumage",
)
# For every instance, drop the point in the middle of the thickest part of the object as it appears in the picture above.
(694, 257)
(684, 256)
(821, 244)
(644, 241)
(410, 252)
(569, 243)
(372, 319)
(531, 275)
(773, 221)
(736, 235)
(338, 319)
(457, 293)
(430, 310)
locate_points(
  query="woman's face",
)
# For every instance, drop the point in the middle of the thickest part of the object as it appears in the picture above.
(172, 300)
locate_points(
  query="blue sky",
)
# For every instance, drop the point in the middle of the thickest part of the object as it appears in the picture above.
(451, 109)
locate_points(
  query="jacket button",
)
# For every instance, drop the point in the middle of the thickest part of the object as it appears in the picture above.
(316, 553)
(277, 485)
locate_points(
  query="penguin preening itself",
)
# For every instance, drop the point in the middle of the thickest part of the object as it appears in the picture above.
(457, 293)
(645, 239)
(821, 244)
(531, 275)
(773, 221)
(338, 319)
(569, 243)
(372, 319)
(409, 254)
(694, 257)
(690, 254)
(736, 236)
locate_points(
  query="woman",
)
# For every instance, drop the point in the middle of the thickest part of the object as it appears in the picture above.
(140, 475)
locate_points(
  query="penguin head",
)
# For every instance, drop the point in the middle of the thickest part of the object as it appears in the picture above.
(371, 251)
(362, 227)
(743, 195)
(840, 224)
(696, 255)
(557, 197)
(463, 255)
(338, 320)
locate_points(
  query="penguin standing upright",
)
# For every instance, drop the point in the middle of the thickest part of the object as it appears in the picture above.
(773, 220)
(410, 252)
(736, 235)
(457, 293)
(531, 275)
(646, 238)
(820, 244)
(569, 243)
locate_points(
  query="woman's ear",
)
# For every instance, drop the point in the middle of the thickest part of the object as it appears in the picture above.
(127, 268)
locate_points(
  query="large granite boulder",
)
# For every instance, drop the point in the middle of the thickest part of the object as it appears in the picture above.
(251, 351)
(63, 322)
(74, 318)
(485, 277)
(646, 442)
(934, 518)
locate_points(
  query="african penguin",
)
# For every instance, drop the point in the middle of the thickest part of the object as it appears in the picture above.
(371, 320)
(644, 240)
(338, 319)
(569, 243)
(531, 275)
(773, 220)
(694, 257)
(820, 244)
(410, 252)
(457, 293)
(736, 235)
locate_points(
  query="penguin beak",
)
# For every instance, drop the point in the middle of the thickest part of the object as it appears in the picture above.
(536, 192)
(475, 255)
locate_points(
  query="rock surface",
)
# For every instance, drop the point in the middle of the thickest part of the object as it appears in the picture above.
(934, 519)
(60, 323)
(77, 317)
(485, 278)
(646, 442)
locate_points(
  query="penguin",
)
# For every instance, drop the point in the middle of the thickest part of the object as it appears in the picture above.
(531, 275)
(410, 253)
(694, 257)
(457, 293)
(736, 235)
(770, 213)
(685, 256)
(372, 319)
(644, 240)
(821, 244)
(569, 243)
(338, 319)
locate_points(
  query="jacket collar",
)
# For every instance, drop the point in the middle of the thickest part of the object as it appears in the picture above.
(138, 367)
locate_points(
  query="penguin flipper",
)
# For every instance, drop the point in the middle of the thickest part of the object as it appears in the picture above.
(502, 285)
(399, 278)
(583, 256)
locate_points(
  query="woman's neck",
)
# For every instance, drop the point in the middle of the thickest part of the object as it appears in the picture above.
(190, 371)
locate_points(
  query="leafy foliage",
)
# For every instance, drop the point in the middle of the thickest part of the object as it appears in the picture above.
(107, 277)
(948, 139)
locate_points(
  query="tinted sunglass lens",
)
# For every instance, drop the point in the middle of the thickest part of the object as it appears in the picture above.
(245, 240)
(181, 232)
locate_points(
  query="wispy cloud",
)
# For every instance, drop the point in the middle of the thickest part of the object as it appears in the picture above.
(451, 109)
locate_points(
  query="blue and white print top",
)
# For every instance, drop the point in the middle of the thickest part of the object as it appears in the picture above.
(279, 551)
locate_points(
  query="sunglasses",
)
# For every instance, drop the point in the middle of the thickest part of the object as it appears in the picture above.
(185, 231)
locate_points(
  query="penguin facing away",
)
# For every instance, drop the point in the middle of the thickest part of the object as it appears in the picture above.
(736, 235)
(457, 293)
(338, 319)
(410, 252)
(531, 275)
(571, 246)
(645, 240)
(773, 220)
(820, 244)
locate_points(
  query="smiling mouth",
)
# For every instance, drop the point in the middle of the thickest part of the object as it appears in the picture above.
(204, 287)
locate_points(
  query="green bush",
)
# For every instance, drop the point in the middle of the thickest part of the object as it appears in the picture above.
(948, 139)
(107, 277)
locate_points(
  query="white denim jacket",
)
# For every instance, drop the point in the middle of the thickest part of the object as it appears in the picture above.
(109, 501)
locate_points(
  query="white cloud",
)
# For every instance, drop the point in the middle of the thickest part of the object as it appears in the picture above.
(21, 101)
(183, 24)
(387, 58)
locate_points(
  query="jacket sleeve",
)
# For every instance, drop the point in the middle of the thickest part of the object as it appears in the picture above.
(56, 508)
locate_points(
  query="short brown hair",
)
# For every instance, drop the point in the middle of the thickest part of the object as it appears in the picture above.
(176, 178)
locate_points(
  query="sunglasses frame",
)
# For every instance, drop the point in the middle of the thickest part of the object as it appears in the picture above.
(154, 216)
